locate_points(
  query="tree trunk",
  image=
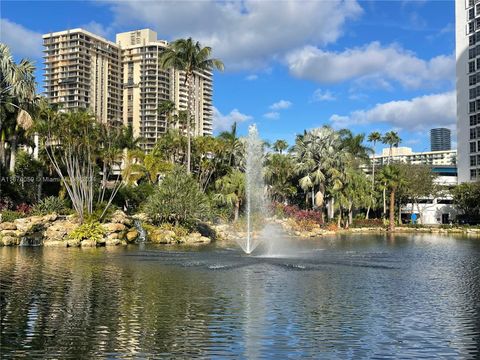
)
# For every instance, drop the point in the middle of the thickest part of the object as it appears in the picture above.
(39, 184)
(350, 215)
(313, 198)
(368, 212)
(236, 212)
(384, 203)
(189, 114)
(13, 152)
(2, 149)
(391, 225)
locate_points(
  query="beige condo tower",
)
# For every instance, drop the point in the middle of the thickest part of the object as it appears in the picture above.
(123, 81)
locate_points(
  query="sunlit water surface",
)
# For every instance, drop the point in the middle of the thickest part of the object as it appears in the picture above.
(334, 298)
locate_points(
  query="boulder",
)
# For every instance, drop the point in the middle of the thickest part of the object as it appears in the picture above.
(8, 226)
(119, 217)
(88, 243)
(50, 218)
(114, 227)
(58, 230)
(72, 243)
(10, 240)
(132, 235)
(112, 242)
(55, 243)
(112, 236)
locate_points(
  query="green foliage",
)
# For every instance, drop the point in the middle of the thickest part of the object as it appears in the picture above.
(177, 200)
(467, 197)
(90, 230)
(131, 197)
(49, 205)
(11, 215)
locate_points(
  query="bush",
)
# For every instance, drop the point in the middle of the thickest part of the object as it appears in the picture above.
(49, 205)
(359, 223)
(293, 211)
(132, 197)
(178, 200)
(88, 231)
(11, 215)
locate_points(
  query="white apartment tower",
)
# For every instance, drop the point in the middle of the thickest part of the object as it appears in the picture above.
(467, 29)
(123, 81)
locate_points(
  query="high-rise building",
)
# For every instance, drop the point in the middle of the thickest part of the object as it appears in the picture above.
(82, 70)
(123, 81)
(440, 139)
(467, 29)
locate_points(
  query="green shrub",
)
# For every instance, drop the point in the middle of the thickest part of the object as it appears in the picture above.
(178, 200)
(88, 231)
(96, 215)
(11, 215)
(131, 197)
(49, 205)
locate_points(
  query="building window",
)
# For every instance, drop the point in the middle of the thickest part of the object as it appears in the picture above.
(472, 106)
(473, 134)
(471, 14)
(473, 160)
(473, 147)
(473, 174)
(473, 120)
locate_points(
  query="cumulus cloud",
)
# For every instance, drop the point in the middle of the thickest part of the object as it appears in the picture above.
(371, 63)
(281, 105)
(21, 41)
(245, 34)
(273, 115)
(320, 95)
(97, 29)
(224, 122)
(416, 114)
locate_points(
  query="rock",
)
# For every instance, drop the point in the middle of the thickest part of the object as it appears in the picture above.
(72, 243)
(204, 239)
(101, 242)
(50, 218)
(55, 243)
(8, 226)
(10, 240)
(112, 242)
(119, 217)
(112, 236)
(88, 243)
(114, 227)
(58, 230)
(132, 235)
(14, 233)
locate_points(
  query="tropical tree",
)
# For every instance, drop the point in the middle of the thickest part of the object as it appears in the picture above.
(280, 146)
(279, 175)
(231, 190)
(373, 138)
(391, 139)
(234, 146)
(392, 178)
(17, 95)
(167, 108)
(189, 57)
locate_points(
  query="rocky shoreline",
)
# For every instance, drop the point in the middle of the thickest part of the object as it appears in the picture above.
(54, 231)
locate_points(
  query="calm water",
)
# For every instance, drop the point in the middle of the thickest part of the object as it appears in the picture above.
(349, 297)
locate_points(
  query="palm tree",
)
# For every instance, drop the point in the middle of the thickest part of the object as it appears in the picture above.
(279, 173)
(17, 94)
(374, 137)
(391, 139)
(392, 179)
(234, 145)
(190, 57)
(231, 190)
(280, 146)
(167, 108)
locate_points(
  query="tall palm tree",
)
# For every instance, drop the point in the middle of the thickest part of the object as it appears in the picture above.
(280, 146)
(167, 108)
(234, 145)
(374, 137)
(17, 94)
(391, 139)
(190, 57)
(392, 179)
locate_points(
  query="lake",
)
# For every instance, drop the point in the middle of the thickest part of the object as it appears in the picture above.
(355, 296)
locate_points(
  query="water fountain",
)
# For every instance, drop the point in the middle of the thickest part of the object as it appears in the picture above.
(255, 188)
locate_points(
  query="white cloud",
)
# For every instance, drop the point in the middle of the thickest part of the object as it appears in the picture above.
(320, 95)
(21, 41)
(416, 114)
(281, 105)
(251, 77)
(224, 122)
(97, 29)
(245, 34)
(371, 63)
(272, 115)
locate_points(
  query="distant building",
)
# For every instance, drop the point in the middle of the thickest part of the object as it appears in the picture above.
(406, 155)
(440, 139)
(429, 211)
(122, 82)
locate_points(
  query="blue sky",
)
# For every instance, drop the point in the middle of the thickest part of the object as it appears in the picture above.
(290, 65)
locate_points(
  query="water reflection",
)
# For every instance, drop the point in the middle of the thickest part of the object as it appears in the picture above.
(355, 297)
